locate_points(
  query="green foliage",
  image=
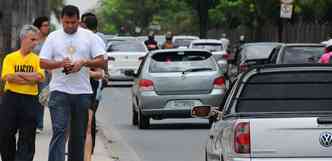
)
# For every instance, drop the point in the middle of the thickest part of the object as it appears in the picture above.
(172, 15)
(181, 16)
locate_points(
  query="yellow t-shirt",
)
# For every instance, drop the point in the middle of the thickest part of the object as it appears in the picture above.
(15, 62)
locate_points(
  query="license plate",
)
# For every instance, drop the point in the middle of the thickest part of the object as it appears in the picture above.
(183, 104)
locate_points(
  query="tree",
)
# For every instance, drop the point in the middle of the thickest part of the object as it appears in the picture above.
(56, 7)
(173, 15)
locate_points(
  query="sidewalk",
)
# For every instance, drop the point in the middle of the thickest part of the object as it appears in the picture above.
(43, 140)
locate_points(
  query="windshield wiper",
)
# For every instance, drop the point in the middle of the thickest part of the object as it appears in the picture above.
(196, 70)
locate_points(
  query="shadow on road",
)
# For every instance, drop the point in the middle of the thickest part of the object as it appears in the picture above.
(179, 126)
(119, 86)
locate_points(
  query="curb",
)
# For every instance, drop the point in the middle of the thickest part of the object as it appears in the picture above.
(116, 145)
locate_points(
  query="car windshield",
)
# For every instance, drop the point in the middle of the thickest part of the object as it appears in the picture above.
(306, 91)
(300, 55)
(257, 51)
(126, 46)
(208, 46)
(181, 62)
(182, 42)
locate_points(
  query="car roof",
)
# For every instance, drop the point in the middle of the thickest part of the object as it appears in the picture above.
(262, 43)
(207, 41)
(185, 37)
(304, 44)
(289, 67)
(178, 50)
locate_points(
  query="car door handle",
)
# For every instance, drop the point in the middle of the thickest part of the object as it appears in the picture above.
(211, 136)
(324, 120)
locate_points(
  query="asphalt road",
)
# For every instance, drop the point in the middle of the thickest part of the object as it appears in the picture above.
(166, 140)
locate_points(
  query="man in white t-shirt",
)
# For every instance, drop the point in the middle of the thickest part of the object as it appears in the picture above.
(69, 53)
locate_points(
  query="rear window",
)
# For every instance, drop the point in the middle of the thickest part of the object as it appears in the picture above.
(257, 52)
(301, 55)
(208, 46)
(287, 92)
(181, 61)
(182, 42)
(126, 46)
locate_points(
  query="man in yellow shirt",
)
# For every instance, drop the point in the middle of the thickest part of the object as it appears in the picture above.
(21, 73)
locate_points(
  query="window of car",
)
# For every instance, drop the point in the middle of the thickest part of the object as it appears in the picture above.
(274, 55)
(305, 91)
(208, 46)
(301, 54)
(256, 52)
(181, 61)
(182, 42)
(126, 46)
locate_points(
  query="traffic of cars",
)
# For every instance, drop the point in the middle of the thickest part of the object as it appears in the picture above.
(280, 94)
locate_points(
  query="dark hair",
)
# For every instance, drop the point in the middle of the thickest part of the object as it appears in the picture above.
(328, 49)
(40, 20)
(70, 11)
(91, 22)
(86, 15)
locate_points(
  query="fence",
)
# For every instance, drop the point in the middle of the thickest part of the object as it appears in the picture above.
(291, 33)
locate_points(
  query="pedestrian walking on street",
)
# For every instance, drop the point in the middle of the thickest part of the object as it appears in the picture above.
(70, 52)
(21, 73)
(42, 23)
(90, 22)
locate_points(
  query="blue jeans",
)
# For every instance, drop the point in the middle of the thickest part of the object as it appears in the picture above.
(68, 108)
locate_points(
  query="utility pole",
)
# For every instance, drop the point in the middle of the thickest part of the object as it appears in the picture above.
(286, 12)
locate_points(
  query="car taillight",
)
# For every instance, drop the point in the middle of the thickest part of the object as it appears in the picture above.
(242, 138)
(145, 85)
(219, 82)
(243, 67)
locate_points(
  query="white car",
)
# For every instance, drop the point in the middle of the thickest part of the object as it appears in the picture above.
(216, 47)
(273, 113)
(183, 41)
(125, 56)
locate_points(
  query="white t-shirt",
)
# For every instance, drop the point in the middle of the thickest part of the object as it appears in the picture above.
(83, 45)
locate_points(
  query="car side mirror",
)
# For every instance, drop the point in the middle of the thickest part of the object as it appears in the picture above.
(110, 58)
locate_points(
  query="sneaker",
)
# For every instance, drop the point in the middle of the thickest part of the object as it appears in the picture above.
(39, 130)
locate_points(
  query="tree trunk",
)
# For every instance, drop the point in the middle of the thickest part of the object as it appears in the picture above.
(203, 13)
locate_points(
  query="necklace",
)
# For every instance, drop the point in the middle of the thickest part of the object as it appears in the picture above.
(71, 50)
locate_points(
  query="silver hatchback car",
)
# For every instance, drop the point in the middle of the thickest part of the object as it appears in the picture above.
(170, 82)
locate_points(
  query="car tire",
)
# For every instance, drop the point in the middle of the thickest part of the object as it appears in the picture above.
(143, 121)
(134, 116)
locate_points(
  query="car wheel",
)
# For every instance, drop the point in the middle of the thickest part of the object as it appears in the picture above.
(134, 116)
(143, 121)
